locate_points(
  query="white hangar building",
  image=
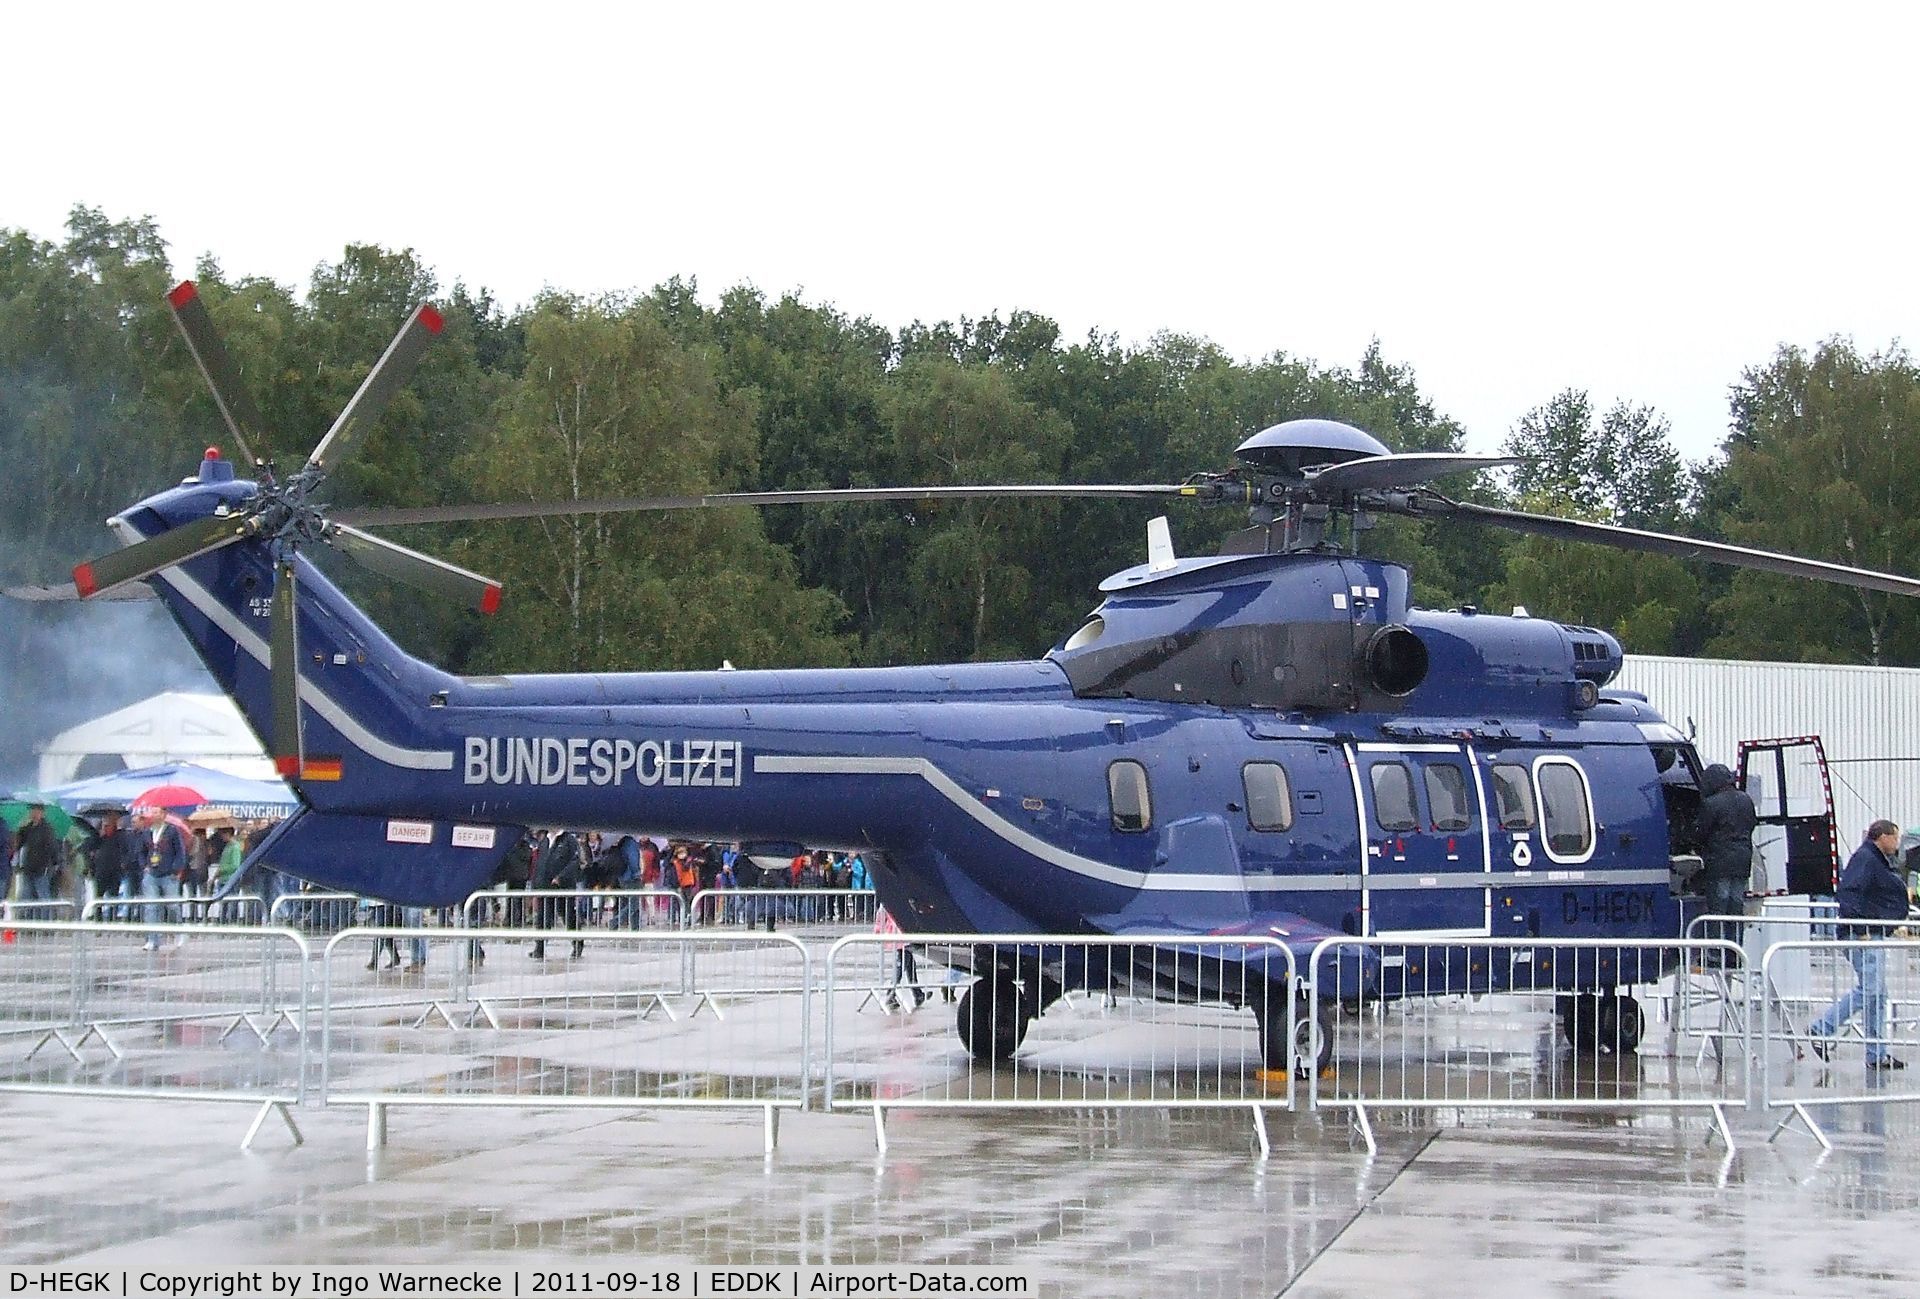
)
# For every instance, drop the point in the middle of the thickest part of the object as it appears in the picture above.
(1868, 720)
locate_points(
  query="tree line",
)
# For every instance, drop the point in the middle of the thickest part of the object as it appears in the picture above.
(657, 393)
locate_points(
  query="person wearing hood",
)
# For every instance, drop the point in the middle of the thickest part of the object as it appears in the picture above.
(1725, 830)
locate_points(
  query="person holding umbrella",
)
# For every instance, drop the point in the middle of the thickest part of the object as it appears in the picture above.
(163, 860)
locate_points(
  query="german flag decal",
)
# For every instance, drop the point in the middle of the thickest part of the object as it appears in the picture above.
(320, 769)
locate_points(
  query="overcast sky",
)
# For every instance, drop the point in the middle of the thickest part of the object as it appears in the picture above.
(1639, 201)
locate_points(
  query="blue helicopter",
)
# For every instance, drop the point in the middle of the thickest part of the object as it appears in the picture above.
(1268, 741)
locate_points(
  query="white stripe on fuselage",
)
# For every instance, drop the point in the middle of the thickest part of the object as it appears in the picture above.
(1250, 882)
(999, 825)
(357, 735)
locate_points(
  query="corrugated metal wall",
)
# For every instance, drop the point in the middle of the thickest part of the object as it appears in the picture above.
(1868, 719)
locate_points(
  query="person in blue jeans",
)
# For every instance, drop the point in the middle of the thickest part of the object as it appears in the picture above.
(1870, 889)
(162, 857)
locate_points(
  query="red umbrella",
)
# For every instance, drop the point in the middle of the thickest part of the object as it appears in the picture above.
(172, 797)
(140, 812)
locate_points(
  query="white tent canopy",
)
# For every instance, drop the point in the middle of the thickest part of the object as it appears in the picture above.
(171, 727)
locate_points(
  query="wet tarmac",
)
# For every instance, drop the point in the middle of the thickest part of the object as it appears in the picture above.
(1082, 1202)
(1526, 1200)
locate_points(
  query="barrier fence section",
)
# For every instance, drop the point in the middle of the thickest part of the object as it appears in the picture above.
(1794, 987)
(234, 909)
(1482, 1023)
(767, 908)
(311, 913)
(1838, 1045)
(1128, 1022)
(640, 1018)
(201, 1011)
(40, 909)
(575, 909)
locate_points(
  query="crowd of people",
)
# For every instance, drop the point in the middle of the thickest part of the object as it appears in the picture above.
(809, 888)
(143, 856)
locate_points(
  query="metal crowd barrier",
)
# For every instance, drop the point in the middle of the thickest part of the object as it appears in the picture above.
(715, 1017)
(1165, 1025)
(1443, 1040)
(207, 1012)
(310, 913)
(640, 1019)
(40, 909)
(234, 909)
(1827, 1054)
(575, 908)
(785, 908)
(1792, 987)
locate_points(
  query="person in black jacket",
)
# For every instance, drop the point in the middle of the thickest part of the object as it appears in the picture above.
(110, 856)
(560, 867)
(1870, 890)
(39, 853)
(1725, 830)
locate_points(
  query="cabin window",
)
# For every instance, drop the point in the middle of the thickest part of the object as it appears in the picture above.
(1512, 796)
(1393, 797)
(1269, 796)
(1566, 809)
(1127, 792)
(1447, 797)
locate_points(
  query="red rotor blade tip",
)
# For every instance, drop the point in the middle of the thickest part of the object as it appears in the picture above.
(183, 293)
(490, 600)
(83, 580)
(287, 766)
(431, 318)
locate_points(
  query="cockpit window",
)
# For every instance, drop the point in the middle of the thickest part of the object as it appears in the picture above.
(1566, 808)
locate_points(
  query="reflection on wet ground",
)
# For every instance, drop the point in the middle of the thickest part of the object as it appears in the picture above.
(1084, 1202)
(1540, 1199)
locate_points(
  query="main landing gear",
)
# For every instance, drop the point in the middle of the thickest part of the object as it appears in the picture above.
(1310, 1039)
(995, 1013)
(1602, 1023)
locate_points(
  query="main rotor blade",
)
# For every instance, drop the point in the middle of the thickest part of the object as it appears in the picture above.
(436, 576)
(174, 546)
(374, 518)
(389, 374)
(1400, 470)
(216, 367)
(41, 593)
(284, 674)
(1659, 543)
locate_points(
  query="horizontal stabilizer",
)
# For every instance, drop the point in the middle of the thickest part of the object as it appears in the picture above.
(414, 863)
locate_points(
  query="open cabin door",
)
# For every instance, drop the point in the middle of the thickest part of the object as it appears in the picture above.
(1792, 793)
(1425, 864)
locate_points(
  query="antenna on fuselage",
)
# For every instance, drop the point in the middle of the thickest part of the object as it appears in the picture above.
(1160, 556)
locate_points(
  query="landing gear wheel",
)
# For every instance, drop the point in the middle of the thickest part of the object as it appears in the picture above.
(1602, 1023)
(1312, 1042)
(1618, 1024)
(992, 1020)
(1306, 1044)
(1576, 1014)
